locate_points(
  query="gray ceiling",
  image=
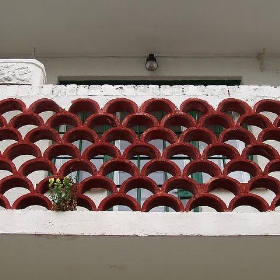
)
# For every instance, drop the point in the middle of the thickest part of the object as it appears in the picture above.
(135, 28)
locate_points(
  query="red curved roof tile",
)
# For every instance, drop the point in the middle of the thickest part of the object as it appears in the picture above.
(265, 182)
(221, 120)
(146, 149)
(180, 148)
(276, 122)
(225, 183)
(76, 165)
(4, 202)
(3, 121)
(80, 133)
(272, 166)
(119, 165)
(22, 148)
(269, 134)
(86, 202)
(15, 181)
(120, 105)
(202, 165)
(119, 133)
(26, 118)
(84, 105)
(119, 199)
(11, 104)
(196, 104)
(60, 149)
(154, 105)
(101, 149)
(7, 164)
(160, 165)
(275, 203)
(207, 199)
(162, 199)
(226, 150)
(234, 105)
(139, 182)
(36, 164)
(252, 200)
(98, 182)
(140, 119)
(44, 105)
(63, 118)
(237, 134)
(159, 133)
(242, 165)
(41, 133)
(186, 184)
(10, 133)
(260, 149)
(32, 199)
(177, 119)
(198, 134)
(267, 105)
(103, 119)
(254, 119)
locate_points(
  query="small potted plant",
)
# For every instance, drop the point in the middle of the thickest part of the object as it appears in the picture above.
(63, 194)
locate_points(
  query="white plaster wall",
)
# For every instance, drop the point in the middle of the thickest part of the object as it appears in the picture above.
(139, 223)
(22, 72)
(246, 68)
(64, 95)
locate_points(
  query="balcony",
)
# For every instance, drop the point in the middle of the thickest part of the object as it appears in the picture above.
(237, 166)
(239, 243)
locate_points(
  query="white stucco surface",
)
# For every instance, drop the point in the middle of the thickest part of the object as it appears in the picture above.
(138, 223)
(247, 69)
(64, 95)
(22, 72)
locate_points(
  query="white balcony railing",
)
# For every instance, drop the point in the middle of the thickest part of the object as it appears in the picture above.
(142, 148)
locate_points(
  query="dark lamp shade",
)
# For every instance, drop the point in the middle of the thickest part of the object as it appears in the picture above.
(151, 62)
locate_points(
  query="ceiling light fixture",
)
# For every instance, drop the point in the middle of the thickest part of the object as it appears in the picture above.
(151, 62)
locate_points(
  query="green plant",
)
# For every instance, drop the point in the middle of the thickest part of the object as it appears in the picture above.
(63, 194)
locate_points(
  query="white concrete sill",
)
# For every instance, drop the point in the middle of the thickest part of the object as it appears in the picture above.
(22, 72)
(41, 222)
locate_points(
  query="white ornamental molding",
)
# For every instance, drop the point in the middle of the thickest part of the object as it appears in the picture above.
(22, 72)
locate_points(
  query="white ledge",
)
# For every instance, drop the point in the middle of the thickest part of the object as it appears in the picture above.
(64, 95)
(22, 72)
(40, 222)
